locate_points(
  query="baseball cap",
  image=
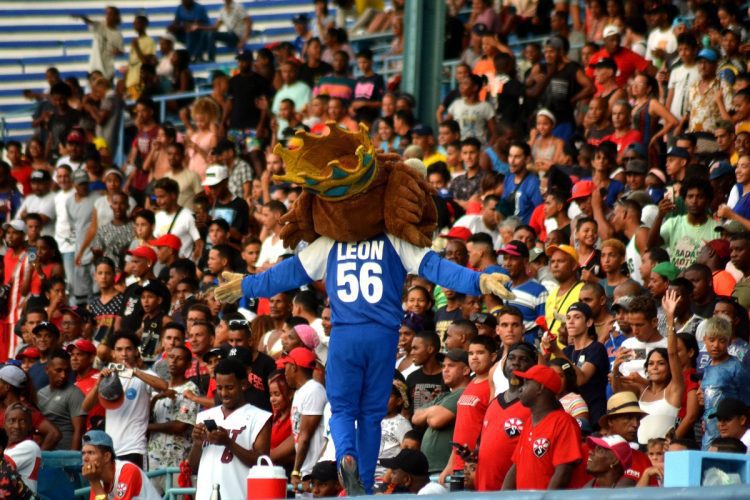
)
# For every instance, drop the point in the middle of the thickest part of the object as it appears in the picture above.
(245, 55)
(610, 30)
(216, 351)
(458, 355)
(13, 375)
(479, 29)
(422, 131)
(708, 55)
(80, 176)
(82, 345)
(412, 462)
(457, 233)
(582, 189)
(720, 248)
(621, 403)
(28, 352)
(535, 253)
(98, 438)
(167, 240)
(40, 176)
(605, 62)
(555, 42)
(731, 227)
(638, 149)
(583, 308)
(543, 375)
(111, 394)
(46, 325)
(300, 356)
(720, 169)
(80, 312)
(16, 224)
(323, 471)
(74, 136)
(617, 445)
(300, 19)
(728, 408)
(152, 286)
(666, 270)
(242, 354)
(215, 174)
(563, 248)
(515, 248)
(143, 252)
(678, 152)
(641, 197)
(622, 303)
(636, 166)
(307, 335)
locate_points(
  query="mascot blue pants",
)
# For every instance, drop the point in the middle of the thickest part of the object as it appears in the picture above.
(364, 281)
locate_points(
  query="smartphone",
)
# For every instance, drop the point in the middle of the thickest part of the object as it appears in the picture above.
(639, 354)
(32, 254)
(210, 425)
(669, 193)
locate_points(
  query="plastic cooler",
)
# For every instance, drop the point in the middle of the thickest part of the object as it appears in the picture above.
(266, 480)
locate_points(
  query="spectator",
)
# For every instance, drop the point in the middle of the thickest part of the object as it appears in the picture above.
(190, 21)
(292, 88)
(426, 383)
(368, 90)
(609, 458)
(174, 219)
(21, 451)
(563, 263)
(474, 116)
(682, 77)
(628, 62)
(108, 41)
(227, 206)
(394, 426)
(703, 108)
(60, 401)
(142, 50)
(521, 191)
(238, 25)
(337, 83)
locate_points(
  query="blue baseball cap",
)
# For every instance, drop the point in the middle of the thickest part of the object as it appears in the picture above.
(678, 152)
(708, 55)
(638, 149)
(720, 169)
(422, 131)
(98, 438)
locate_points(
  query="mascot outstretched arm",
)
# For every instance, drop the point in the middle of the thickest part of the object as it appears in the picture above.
(369, 219)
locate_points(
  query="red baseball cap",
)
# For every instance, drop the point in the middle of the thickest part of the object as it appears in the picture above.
(28, 352)
(581, 189)
(617, 445)
(543, 375)
(75, 136)
(143, 252)
(299, 356)
(457, 233)
(720, 248)
(167, 240)
(82, 345)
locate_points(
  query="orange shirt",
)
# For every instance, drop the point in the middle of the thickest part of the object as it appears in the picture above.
(724, 283)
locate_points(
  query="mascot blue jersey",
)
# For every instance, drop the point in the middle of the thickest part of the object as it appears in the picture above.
(364, 280)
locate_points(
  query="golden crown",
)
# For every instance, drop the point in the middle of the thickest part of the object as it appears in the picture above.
(334, 166)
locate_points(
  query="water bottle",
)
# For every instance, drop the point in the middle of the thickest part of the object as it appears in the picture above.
(215, 493)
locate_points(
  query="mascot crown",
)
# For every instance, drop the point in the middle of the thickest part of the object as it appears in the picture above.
(335, 166)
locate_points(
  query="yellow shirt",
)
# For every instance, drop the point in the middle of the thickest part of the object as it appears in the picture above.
(148, 48)
(434, 158)
(556, 307)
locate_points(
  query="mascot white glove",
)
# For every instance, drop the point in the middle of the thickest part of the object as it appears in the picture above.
(495, 284)
(231, 290)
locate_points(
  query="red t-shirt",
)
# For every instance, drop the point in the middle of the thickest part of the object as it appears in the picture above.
(580, 477)
(470, 411)
(22, 175)
(625, 140)
(690, 385)
(554, 441)
(502, 426)
(640, 463)
(628, 62)
(86, 384)
(280, 430)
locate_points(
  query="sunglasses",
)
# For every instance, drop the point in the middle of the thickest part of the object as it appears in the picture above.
(234, 323)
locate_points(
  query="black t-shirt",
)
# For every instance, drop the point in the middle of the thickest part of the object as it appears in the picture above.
(370, 89)
(593, 391)
(454, 37)
(260, 369)
(243, 90)
(559, 92)
(132, 312)
(423, 389)
(444, 319)
(236, 213)
(311, 76)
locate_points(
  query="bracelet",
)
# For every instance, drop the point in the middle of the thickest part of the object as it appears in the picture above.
(296, 473)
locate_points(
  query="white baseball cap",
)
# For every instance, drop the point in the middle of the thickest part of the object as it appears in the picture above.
(215, 174)
(610, 30)
(16, 224)
(13, 375)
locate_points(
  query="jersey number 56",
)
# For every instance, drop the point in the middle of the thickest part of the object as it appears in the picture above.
(368, 282)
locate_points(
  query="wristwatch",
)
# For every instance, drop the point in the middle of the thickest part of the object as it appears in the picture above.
(296, 473)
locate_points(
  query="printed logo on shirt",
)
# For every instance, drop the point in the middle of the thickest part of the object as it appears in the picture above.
(540, 446)
(131, 393)
(122, 488)
(513, 427)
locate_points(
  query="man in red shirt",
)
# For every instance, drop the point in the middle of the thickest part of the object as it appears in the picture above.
(549, 448)
(14, 266)
(82, 356)
(503, 422)
(628, 62)
(623, 417)
(20, 169)
(472, 404)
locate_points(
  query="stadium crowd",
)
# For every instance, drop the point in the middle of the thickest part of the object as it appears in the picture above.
(605, 170)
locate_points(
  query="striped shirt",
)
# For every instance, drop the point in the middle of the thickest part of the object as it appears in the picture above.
(530, 299)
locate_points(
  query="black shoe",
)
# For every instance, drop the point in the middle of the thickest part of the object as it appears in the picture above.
(349, 477)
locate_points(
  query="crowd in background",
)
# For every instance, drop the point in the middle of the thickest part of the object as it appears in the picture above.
(605, 170)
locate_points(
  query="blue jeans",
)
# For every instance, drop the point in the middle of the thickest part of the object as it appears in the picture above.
(229, 39)
(195, 42)
(359, 378)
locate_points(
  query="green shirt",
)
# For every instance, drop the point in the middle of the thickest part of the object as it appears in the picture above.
(436, 443)
(683, 240)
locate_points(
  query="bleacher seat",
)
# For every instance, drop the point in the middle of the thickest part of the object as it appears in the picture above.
(37, 35)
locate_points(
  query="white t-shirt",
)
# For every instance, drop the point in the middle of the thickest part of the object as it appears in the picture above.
(63, 231)
(104, 214)
(233, 18)
(329, 453)
(310, 399)
(681, 79)
(106, 42)
(74, 165)
(219, 465)
(132, 483)
(44, 205)
(271, 250)
(642, 349)
(472, 118)
(664, 40)
(128, 424)
(26, 457)
(475, 224)
(183, 227)
(392, 431)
